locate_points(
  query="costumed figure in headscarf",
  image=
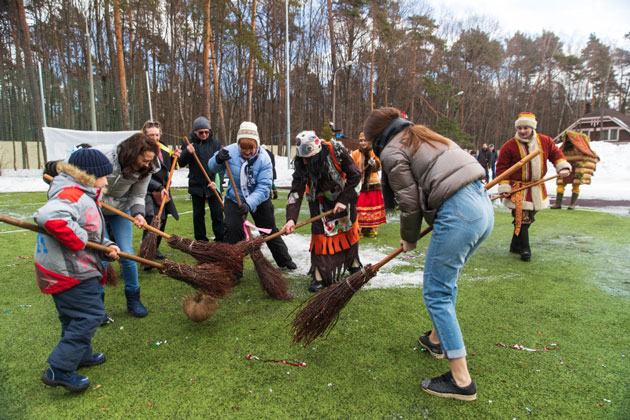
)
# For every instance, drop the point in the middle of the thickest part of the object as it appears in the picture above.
(526, 203)
(326, 173)
(370, 207)
(577, 150)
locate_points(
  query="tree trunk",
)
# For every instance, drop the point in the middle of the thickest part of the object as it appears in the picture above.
(121, 66)
(217, 87)
(23, 38)
(250, 72)
(206, 60)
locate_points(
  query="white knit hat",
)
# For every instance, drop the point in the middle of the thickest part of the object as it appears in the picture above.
(248, 130)
(526, 119)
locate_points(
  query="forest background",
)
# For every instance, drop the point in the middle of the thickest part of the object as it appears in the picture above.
(227, 60)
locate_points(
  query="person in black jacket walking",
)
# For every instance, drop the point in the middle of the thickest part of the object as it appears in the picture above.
(484, 158)
(205, 146)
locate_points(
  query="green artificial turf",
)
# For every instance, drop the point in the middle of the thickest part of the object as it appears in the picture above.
(574, 293)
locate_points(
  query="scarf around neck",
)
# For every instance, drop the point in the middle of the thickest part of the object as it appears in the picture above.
(396, 126)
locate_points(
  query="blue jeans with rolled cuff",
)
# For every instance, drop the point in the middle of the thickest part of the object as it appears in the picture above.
(461, 224)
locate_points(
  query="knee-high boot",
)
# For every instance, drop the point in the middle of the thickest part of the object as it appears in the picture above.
(558, 203)
(574, 198)
(515, 246)
(526, 253)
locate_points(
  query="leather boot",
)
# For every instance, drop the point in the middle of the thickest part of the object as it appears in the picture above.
(574, 198)
(515, 246)
(134, 305)
(526, 253)
(558, 203)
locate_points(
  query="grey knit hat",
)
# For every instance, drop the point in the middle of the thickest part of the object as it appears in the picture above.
(201, 123)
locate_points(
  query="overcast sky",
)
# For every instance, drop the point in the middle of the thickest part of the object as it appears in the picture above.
(573, 21)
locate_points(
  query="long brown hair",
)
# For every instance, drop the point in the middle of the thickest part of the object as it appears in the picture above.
(130, 149)
(378, 120)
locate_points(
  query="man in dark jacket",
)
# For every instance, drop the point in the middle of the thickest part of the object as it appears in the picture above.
(493, 160)
(484, 159)
(205, 146)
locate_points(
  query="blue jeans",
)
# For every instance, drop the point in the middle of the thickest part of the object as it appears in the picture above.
(81, 311)
(123, 236)
(462, 223)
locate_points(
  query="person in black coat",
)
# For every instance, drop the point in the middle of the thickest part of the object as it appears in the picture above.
(493, 161)
(484, 158)
(158, 182)
(205, 146)
(274, 191)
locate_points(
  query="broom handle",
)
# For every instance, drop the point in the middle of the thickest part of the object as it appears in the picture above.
(168, 186)
(512, 169)
(533, 184)
(206, 175)
(98, 247)
(394, 254)
(123, 214)
(299, 225)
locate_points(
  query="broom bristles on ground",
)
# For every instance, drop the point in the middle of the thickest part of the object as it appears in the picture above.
(148, 246)
(111, 278)
(320, 312)
(270, 277)
(209, 252)
(211, 279)
(199, 307)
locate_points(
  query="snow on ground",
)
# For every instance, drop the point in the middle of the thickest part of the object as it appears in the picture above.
(611, 181)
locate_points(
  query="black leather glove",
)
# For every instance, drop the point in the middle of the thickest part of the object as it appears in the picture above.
(243, 209)
(223, 156)
(51, 169)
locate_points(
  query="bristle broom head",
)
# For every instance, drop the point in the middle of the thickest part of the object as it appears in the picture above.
(270, 277)
(213, 280)
(319, 313)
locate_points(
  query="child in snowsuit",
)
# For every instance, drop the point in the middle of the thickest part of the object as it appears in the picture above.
(68, 270)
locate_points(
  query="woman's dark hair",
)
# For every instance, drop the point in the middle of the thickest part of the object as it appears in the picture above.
(130, 149)
(378, 120)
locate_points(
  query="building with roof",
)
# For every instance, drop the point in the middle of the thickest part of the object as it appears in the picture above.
(606, 125)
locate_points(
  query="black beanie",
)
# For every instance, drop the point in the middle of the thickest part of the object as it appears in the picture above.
(92, 161)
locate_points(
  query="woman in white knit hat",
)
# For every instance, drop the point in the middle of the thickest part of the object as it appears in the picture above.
(253, 175)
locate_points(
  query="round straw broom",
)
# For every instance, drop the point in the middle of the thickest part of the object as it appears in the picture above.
(199, 307)
(208, 278)
(270, 277)
(320, 312)
(148, 246)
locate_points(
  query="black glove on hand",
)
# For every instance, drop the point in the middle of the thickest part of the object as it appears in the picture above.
(223, 156)
(51, 169)
(243, 209)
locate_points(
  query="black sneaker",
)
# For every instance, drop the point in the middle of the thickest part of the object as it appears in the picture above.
(434, 349)
(315, 286)
(107, 320)
(445, 386)
(159, 255)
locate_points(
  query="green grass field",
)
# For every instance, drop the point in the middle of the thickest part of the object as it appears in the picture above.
(575, 292)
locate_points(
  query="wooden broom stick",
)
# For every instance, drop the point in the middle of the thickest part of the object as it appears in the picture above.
(524, 187)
